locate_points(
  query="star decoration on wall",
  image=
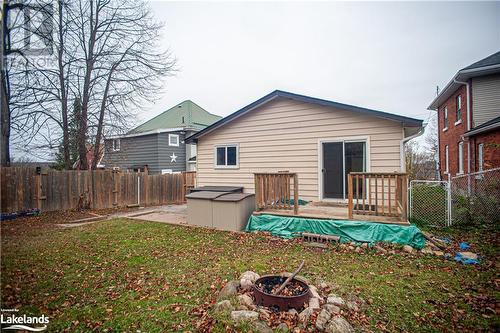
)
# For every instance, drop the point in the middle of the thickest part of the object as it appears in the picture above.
(173, 158)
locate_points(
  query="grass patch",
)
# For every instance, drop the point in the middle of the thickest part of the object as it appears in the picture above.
(124, 275)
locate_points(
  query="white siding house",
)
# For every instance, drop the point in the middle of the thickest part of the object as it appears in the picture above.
(319, 140)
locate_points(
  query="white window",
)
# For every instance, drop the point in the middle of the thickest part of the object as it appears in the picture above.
(446, 159)
(192, 150)
(458, 115)
(480, 156)
(116, 144)
(445, 119)
(226, 156)
(461, 158)
(173, 140)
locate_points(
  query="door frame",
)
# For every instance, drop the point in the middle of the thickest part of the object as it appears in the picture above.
(343, 139)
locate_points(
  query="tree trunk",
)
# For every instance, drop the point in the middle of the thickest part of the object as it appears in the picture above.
(89, 66)
(64, 95)
(4, 96)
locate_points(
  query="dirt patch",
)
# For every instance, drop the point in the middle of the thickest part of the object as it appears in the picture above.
(45, 221)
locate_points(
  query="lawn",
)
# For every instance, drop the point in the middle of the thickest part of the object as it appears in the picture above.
(130, 276)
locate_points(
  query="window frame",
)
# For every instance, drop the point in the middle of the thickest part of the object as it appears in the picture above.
(480, 157)
(458, 111)
(170, 136)
(447, 159)
(445, 121)
(114, 145)
(226, 146)
(460, 158)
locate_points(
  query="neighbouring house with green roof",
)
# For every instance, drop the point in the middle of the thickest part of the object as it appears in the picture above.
(158, 144)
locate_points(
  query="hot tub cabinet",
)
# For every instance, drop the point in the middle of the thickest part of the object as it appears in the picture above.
(231, 211)
(220, 210)
(200, 206)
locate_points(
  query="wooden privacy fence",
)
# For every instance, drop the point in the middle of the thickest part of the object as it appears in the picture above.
(23, 188)
(274, 191)
(378, 194)
(189, 178)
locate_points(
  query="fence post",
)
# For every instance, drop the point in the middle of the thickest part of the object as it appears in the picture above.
(146, 187)
(38, 184)
(410, 198)
(449, 201)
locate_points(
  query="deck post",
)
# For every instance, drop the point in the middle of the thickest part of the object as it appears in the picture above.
(295, 194)
(404, 193)
(257, 191)
(350, 193)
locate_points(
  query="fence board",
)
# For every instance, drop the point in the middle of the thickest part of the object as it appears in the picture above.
(22, 188)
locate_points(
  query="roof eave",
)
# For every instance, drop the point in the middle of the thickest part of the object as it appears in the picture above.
(461, 75)
(484, 129)
(405, 121)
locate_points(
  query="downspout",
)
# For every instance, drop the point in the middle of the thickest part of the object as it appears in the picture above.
(402, 146)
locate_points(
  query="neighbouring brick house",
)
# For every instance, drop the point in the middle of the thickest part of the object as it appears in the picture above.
(469, 119)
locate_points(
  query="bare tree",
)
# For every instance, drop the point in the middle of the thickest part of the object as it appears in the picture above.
(420, 163)
(107, 58)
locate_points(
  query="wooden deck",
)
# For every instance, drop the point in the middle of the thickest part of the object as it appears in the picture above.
(328, 211)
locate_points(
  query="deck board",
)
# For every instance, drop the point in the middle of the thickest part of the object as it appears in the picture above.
(335, 212)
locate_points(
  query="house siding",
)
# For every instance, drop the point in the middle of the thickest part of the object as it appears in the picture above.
(486, 98)
(165, 151)
(284, 135)
(151, 150)
(140, 150)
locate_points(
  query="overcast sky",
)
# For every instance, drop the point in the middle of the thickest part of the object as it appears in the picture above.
(386, 56)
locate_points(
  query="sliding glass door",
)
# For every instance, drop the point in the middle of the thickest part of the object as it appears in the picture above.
(340, 158)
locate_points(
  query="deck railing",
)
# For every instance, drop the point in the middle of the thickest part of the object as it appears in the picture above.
(378, 194)
(276, 190)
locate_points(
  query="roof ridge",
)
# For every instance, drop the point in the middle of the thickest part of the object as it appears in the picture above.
(306, 99)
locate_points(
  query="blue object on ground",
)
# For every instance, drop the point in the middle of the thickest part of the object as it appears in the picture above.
(446, 240)
(466, 261)
(464, 246)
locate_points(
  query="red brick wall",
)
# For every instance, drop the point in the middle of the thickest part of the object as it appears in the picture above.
(491, 150)
(453, 135)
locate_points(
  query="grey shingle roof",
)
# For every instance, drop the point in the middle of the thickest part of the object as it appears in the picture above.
(493, 59)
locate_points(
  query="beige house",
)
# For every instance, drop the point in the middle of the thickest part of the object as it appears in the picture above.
(322, 141)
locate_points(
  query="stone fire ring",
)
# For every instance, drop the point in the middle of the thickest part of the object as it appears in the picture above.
(283, 303)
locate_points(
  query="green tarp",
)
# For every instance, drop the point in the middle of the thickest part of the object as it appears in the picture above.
(357, 231)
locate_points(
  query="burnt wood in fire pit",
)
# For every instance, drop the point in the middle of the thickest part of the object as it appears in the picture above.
(294, 295)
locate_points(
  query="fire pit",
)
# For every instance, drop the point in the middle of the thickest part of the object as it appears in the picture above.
(294, 295)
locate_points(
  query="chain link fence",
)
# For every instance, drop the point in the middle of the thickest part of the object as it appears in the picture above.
(429, 203)
(475, 198)
(466, 200)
